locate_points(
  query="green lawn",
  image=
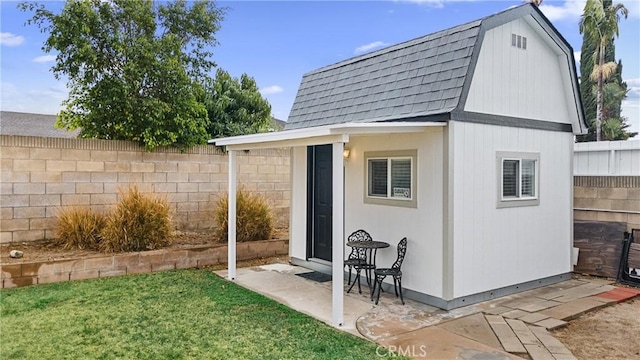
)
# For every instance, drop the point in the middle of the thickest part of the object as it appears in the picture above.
(175, 314)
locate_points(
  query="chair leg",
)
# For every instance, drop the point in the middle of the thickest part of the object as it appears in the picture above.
(395, 286)
(354, 281)
(373, 289)
(349, 280)
(379, 286)
(359, 287)
(400, 286)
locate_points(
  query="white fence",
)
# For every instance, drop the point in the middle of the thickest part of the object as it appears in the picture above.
(620, 158)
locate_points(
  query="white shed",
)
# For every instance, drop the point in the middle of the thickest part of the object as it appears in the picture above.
(460, 140)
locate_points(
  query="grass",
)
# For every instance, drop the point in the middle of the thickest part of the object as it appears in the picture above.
(187, 314)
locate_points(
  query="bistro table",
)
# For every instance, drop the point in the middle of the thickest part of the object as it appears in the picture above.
(371, 248)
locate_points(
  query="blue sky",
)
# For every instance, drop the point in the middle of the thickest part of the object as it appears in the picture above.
(276, 42)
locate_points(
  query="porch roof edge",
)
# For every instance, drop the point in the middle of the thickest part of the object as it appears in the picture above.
(320, 134)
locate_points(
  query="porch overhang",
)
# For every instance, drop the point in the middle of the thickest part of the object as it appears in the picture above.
(336, 135)
(328, 134)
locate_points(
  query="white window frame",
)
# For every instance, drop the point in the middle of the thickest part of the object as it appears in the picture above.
(519, 199)
(389, 156)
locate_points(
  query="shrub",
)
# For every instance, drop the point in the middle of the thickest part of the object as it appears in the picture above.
(254, 220)
(139, 222)
(78, 228)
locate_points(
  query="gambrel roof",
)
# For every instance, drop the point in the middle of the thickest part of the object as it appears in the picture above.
(424, 79)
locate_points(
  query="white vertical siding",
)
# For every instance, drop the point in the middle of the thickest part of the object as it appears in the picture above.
(497, 247)
(531, 83)
(422, 270)
(298, 222)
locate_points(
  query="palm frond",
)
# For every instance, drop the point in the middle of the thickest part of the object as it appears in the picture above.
(606, 70)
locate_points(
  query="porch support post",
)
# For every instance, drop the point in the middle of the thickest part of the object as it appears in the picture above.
(231, 244)
(338, 235)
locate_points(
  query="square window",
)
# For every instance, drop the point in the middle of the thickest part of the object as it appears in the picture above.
(390, 178)
(518, 179)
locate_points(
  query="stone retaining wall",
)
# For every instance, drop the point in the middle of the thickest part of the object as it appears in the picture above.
(39, 175)
(31, 273)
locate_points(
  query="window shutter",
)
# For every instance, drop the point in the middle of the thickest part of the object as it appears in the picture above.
(378, 177)
(528, 178)
(401, 178)
(510, 178)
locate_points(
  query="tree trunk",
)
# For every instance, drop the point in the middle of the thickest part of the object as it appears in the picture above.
(599, 95)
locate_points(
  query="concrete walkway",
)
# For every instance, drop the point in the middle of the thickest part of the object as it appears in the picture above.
(503, 328)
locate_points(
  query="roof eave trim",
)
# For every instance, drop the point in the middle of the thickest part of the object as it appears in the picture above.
(319, 135)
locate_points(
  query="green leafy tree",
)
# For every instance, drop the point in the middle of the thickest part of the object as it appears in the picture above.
(599, 24)
(134, 67)
(235, 106)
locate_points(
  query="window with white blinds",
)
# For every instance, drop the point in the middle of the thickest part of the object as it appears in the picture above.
(390, 177)
(518, 179)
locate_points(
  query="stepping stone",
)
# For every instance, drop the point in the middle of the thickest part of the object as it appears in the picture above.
(523, 333)
(585, 293)
(552, 344)
(539, 305)
(507, 337)
(514, 314)
(474, 327)
(573, 309)
(619, 294)
(538, 352)
(574, 290)
(533, 318)
(497, 310)
(551, 324)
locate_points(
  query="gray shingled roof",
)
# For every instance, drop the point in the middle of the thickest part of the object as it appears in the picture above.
(26, 124)
(419, 77)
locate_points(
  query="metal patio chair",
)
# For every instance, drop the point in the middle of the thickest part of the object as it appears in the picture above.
(358, 256)
(381, 273)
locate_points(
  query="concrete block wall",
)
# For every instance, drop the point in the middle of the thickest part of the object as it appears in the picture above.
(607, 198)
(41, 175)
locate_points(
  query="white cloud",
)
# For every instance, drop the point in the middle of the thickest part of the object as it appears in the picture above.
(576, 55)
(9, 39)
(567, 10)
(273, 89)
(633, 85)
(371, 46)
(38, 101)
(44, 58)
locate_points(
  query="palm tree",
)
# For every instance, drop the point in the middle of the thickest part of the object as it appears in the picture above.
(602, 24)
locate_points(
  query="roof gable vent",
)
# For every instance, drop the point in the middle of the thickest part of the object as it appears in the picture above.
(519, 41)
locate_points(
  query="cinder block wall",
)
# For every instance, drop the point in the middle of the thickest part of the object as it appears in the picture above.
(40, 175)
(607, 198)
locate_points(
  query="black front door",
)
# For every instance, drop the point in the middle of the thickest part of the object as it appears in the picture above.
(320, 202)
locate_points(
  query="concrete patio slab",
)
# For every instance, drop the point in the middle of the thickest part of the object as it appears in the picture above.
(309, 297)
(437, 343)
(474, 327)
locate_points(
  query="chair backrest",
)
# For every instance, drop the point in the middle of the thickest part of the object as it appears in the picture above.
(359, 235)
(402, 251)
